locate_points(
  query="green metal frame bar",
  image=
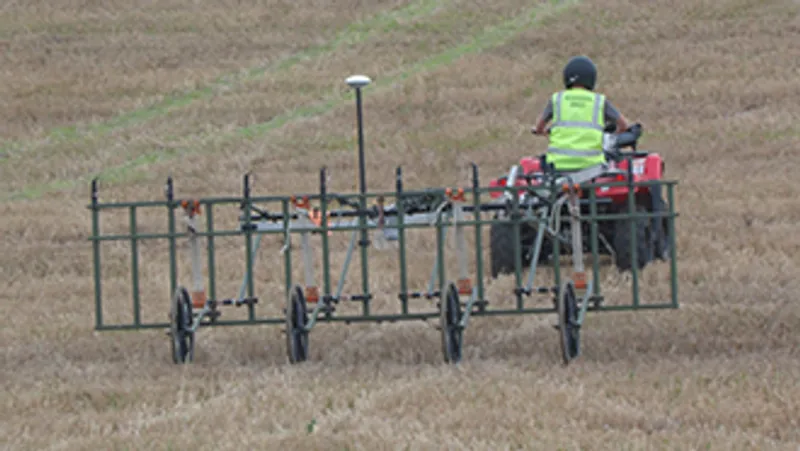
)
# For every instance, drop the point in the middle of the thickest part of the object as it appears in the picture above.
(212, 285)
(593, 238)
(171, 236)
(98, 287)
(401, 241)
(326, 270)
(634, 250)
(387, 317)
(368, 196)
(135, 268)
(673, 261)
(476, 203)
(248, 248)
(287, 247)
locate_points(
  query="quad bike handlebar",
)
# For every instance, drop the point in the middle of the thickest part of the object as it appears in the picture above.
(628, 138)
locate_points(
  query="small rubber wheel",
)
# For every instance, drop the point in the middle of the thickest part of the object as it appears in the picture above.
(181, 334)
(296, 321)
(568, 327)
(450, 319)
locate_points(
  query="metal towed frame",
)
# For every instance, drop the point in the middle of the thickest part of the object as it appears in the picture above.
(439, 208)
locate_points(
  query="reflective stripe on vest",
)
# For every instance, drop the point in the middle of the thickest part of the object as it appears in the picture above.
(575, 153)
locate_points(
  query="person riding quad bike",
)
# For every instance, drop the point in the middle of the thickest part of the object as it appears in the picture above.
(580, 119)
(576, 135)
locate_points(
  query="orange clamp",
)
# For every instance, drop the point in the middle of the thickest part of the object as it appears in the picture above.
(381, 213)
(198, 299)
(455, 195)
(191, 207)
(316, 217)
(579, 278)
(300, 203)
(576, 188)
(464, 286)
(312, 294)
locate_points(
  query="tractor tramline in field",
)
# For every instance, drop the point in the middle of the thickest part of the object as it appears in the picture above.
(532, 213)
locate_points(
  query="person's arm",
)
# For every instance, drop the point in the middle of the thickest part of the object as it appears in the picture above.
(544, 118)
(622, 123)
(539, 128)
(613, 116)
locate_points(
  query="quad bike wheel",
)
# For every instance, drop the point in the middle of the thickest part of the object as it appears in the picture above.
(568, 326)
(181, 334)
(501, 245)
(661, 249)
(296, 321)
(643, 241)
(449, 322)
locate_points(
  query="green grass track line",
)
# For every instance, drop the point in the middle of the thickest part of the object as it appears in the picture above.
(134, 169)
(354, 33)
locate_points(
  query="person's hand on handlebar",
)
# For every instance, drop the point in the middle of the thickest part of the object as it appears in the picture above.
(536, 132)
(539, 128)
(622, 124)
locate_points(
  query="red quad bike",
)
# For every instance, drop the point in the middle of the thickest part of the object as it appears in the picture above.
(614, 235)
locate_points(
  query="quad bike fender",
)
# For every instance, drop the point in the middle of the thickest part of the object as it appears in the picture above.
(650, 167)
(530, 165)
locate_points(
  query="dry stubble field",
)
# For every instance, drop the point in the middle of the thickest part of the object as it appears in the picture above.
(135, 91)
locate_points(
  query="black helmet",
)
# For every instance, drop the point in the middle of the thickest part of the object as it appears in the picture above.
(582, 71)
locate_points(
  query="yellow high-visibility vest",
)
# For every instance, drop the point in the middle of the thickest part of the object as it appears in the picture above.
(576, 136)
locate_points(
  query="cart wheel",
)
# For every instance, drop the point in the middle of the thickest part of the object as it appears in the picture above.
(568, 326)
(296, 320)
(181, 334)
(450, 318)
